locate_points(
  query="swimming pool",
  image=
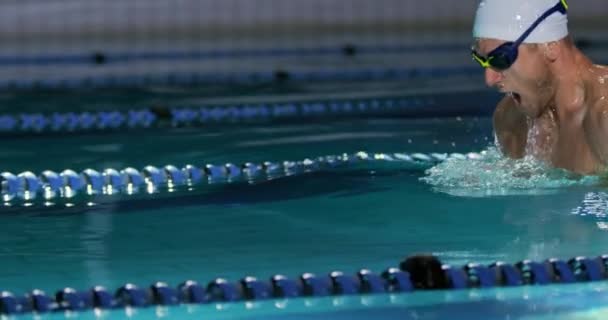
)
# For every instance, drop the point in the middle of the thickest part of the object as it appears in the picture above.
(369, 214)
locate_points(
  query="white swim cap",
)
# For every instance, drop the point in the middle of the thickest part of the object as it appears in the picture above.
(508, 19)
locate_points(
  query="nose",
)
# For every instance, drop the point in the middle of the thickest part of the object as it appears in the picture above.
(493, 77)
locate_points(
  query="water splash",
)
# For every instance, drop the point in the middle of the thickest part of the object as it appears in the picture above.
(493, 174)
(594, 206)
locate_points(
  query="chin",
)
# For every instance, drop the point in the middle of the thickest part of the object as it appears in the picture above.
(530, 111)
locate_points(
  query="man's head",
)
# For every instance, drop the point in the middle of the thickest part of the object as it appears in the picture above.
(516, 41)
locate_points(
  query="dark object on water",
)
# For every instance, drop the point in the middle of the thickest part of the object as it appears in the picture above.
(425, 272)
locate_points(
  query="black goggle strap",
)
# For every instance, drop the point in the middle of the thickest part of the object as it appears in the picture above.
(561, 6)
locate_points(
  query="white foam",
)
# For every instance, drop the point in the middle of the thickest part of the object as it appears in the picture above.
(493, 174)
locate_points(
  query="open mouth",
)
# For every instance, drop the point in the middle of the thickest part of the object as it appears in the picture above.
(516, 97)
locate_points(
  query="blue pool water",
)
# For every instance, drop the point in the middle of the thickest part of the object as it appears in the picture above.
(367, 216)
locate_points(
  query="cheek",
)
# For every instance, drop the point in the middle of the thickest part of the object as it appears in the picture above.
(520, 81)
(530, 75)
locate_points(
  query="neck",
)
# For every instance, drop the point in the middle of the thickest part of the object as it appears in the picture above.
(569, 73)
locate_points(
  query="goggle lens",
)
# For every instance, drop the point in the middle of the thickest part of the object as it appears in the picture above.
(501, 58)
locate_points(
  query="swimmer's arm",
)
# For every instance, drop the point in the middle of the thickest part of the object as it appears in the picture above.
(511, 129)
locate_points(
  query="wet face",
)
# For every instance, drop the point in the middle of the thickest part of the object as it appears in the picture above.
(527, 81)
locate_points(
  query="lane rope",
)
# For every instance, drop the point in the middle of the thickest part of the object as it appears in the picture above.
(100, 57)
(25, 187)
(417, 272)
(422, 104)
(179, 78)
(205, 115)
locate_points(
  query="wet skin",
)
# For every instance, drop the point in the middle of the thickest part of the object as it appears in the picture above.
(555, 107)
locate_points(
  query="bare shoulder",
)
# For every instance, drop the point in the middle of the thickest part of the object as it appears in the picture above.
(598, 107)
(511, 128)
(598, 114)
(596, 127)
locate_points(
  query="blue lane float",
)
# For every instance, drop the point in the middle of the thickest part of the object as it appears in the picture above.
(347, 49)
(205, 115)
(71, 186)
(278, 76)
(436, 104)
(97, 58)
(73, 121)
(415, 273)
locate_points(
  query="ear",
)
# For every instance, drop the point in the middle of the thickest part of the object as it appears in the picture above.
(551, 50)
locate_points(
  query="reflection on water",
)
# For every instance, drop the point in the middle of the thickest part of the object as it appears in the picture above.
(95, 231)
(595, 204)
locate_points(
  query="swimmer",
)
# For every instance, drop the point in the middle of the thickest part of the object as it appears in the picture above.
(555, 106)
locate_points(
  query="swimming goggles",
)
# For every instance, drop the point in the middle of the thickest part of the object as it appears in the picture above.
(503, 57)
